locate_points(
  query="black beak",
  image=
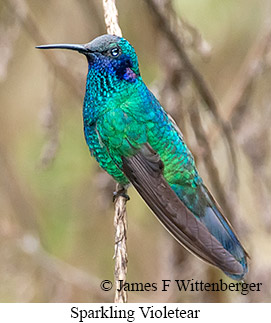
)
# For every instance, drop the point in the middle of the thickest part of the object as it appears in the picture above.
(79, 48)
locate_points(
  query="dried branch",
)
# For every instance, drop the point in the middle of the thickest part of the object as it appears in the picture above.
(237, 100)
(120, 256)
(120, 219)
(188, 35)
(57, 60)
(240, 90)
(111, 18)
(199, 81)
(208, 158)
(248, 72)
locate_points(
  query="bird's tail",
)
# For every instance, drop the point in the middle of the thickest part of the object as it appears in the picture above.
(212, 217)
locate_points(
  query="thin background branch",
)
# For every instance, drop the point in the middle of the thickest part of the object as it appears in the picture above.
(206, 94)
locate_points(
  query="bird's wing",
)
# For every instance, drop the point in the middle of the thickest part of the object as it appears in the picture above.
(141, 141)
(145, 171)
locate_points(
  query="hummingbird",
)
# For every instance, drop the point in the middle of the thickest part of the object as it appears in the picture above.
(135, 141)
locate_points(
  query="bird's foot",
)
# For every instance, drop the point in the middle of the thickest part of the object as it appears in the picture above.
(122, 193)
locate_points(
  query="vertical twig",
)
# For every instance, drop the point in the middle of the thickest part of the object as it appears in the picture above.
(120, 256)
(120, 218)
(111, 18)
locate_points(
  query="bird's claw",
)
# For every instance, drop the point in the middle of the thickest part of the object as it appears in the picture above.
(121, 193)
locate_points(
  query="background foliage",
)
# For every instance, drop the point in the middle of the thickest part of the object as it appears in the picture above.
(56, 231)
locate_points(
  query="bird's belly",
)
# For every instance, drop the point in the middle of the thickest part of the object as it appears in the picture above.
(99, 151)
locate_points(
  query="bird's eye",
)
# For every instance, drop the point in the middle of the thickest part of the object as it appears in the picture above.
(115, 51)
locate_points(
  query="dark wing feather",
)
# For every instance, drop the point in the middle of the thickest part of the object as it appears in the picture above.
(145, 171)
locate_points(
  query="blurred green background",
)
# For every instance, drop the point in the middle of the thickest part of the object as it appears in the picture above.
(56, 220)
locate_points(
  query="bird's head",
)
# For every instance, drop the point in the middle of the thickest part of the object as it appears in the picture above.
(107, 54)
